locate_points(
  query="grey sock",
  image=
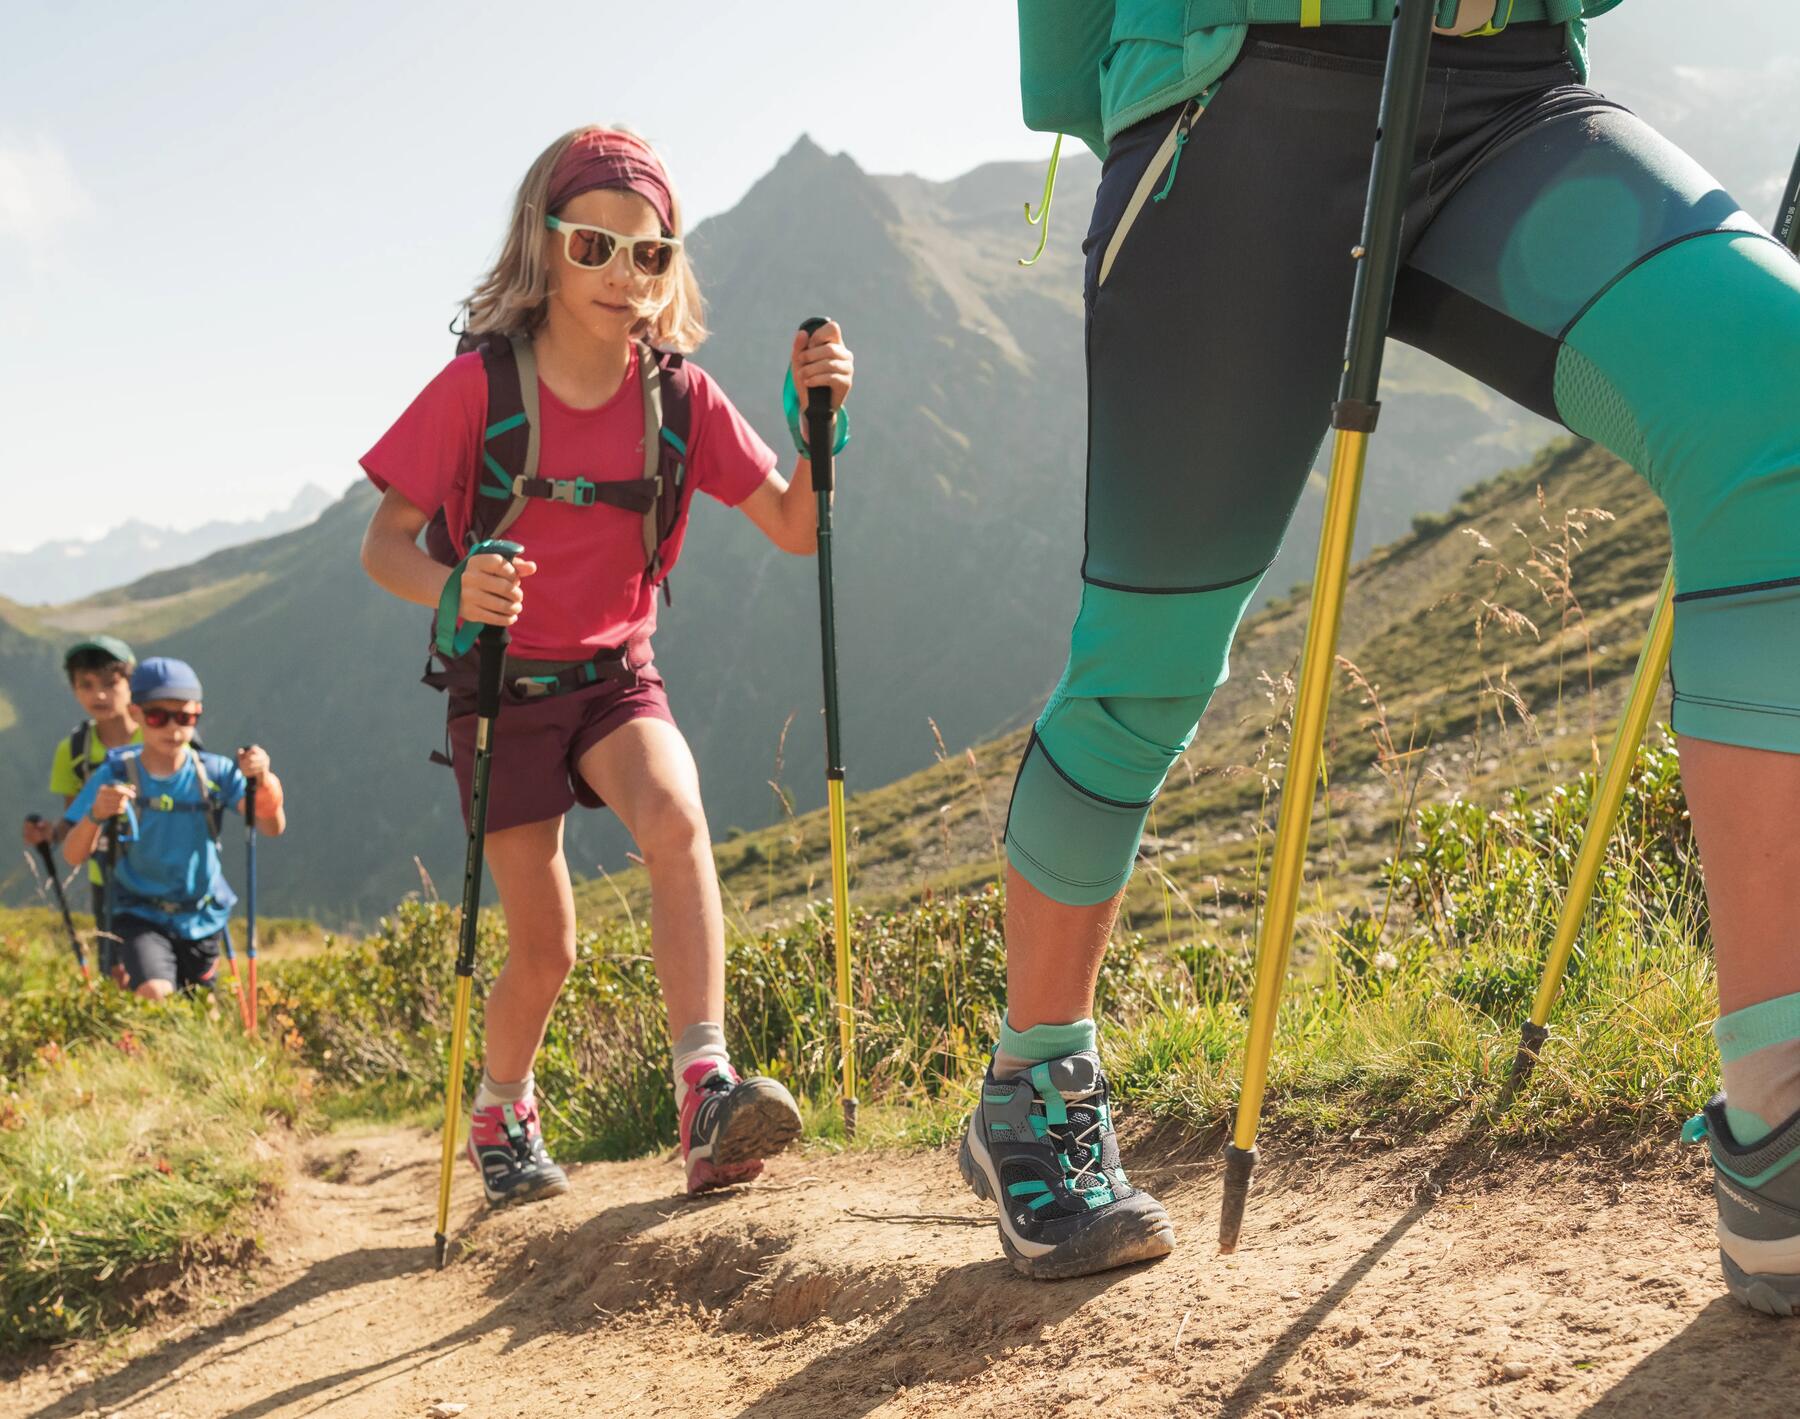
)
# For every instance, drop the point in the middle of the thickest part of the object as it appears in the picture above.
(492, 1091)
(705, 1040)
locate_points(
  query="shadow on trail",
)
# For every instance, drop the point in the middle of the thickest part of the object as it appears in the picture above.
(1728, 1360)
(1252, 1391)
(952, 1331)
(144, 1378)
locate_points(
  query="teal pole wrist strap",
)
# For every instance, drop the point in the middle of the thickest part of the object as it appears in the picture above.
(790, 405)
(452, 637)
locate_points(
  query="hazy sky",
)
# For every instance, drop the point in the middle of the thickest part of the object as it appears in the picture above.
(231, 234)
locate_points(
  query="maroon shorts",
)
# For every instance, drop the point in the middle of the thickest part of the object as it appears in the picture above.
(538, 743)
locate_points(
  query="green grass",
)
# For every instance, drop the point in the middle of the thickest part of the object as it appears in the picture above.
(1402, 1011)
(1408, 1008)
(124, 1160)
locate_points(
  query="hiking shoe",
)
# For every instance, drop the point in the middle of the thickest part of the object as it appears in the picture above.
(1757, 1187)
(729, 1125)
(506, 1145)
(1041, 1147)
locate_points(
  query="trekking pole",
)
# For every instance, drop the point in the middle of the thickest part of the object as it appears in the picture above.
(109, 863)
(250, 1021)
(820, 431)
(62, 902)
(237, 981)
(1353, 419)
(1615, 778)
(492, 642)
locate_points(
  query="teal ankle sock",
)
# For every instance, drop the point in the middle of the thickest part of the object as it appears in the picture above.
(1759, 1048)
(1020, 1049)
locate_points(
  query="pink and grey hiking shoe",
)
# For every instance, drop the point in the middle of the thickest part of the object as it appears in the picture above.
(729, 1125)
(506, 1145)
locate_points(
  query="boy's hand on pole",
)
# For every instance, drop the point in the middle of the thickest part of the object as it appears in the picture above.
(822, 360)
(110, 801)
(253, 761)
(491, 593)
(38, 831)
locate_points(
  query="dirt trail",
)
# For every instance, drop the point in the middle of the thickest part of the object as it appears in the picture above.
(866, 1285)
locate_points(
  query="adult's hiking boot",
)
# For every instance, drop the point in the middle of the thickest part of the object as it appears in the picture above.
(729, 1125)
(1040, 1145)
(1757, 1187)
(506, 1145)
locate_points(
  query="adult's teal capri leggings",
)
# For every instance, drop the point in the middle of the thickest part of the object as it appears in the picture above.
(1558, 249)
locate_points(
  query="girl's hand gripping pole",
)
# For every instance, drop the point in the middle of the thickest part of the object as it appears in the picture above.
(821, 432)
(491, 643)
(1353, 418)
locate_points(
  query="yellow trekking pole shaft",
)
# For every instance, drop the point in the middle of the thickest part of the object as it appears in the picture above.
(840, 910)
(821, 431)
(492, 647)
(1603, 817)
(1353, 420)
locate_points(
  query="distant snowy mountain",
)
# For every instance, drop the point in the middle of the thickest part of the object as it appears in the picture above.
(70, 570)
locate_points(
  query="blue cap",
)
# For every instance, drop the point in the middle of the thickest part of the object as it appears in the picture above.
(160, 678)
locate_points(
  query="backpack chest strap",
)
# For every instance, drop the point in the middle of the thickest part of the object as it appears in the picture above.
(637, 495)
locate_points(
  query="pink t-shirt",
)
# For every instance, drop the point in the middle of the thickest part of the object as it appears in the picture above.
(590, 591)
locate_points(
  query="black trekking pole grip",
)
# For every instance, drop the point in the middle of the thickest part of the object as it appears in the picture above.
(820, 426)
(490, 647)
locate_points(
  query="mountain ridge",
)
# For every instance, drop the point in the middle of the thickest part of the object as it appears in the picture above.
(958, 541)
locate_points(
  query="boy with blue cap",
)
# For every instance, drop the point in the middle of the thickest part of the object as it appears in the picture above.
(170, 898)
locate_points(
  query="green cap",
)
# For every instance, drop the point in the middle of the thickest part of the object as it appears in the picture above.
(106, 645)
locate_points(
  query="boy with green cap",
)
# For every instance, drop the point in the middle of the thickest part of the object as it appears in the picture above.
(99, 670)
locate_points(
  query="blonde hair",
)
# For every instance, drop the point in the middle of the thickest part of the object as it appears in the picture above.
(514, 296)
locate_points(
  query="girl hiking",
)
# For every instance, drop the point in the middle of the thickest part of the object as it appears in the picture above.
(1554, 246)
(576, 428)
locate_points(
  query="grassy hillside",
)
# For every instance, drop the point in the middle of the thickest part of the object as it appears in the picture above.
(1469, 649)
(958, 536)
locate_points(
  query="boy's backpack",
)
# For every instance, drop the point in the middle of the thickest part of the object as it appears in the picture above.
(486, 499)
(79, 738)
(211, 800)
(211, 803)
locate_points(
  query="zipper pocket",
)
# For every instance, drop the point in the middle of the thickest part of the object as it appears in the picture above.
(1167, 156)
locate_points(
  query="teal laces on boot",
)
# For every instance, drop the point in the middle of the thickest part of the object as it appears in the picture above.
(1041, 1146)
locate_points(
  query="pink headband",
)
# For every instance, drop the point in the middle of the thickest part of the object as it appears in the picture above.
(602, 157)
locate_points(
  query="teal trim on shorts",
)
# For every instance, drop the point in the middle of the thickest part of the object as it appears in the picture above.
(1715, 428)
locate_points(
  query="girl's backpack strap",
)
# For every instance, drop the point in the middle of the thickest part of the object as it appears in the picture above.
(509, 441)
(650, 381)
(666, 372)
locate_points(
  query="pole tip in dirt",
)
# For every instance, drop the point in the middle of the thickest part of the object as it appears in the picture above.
(1239, 1164)
(443, 1245)
(1531, 1041)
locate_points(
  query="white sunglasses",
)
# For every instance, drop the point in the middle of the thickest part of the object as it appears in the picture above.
(595, 247)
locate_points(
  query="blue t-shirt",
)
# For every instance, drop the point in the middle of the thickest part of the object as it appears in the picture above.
(169, 873)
